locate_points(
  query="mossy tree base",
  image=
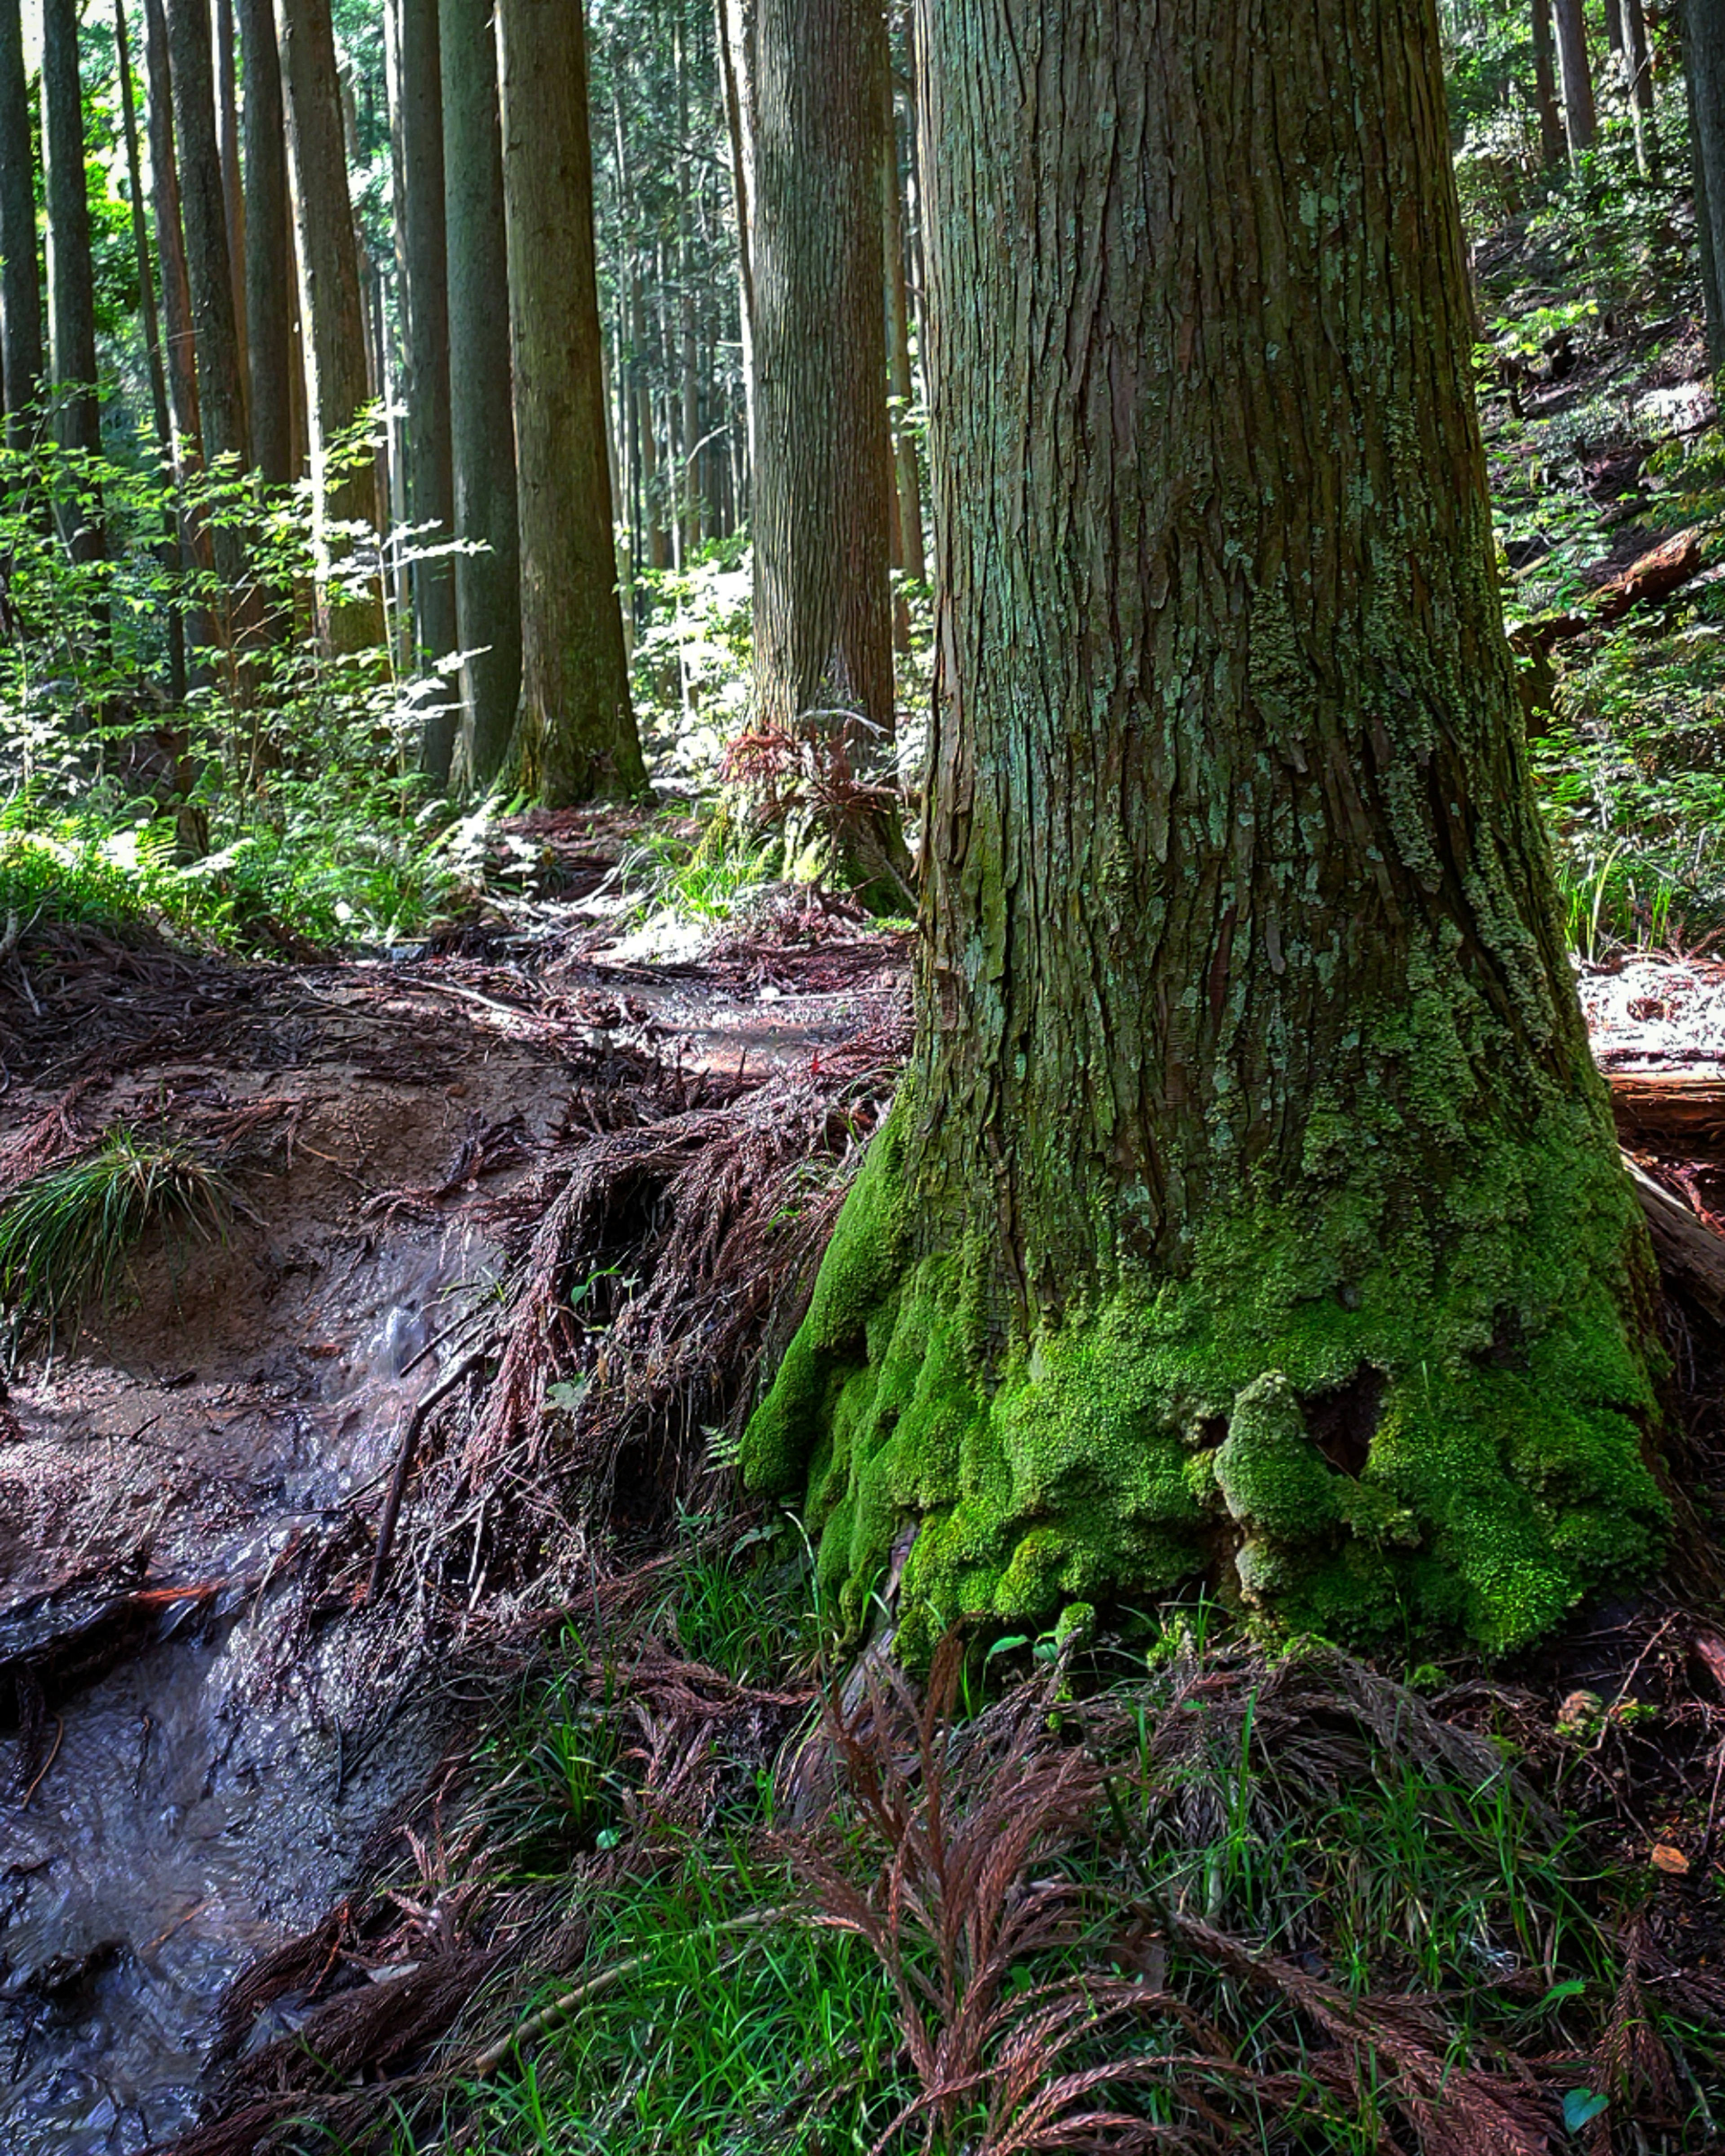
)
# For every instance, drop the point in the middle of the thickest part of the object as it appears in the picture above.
(1363, 1417)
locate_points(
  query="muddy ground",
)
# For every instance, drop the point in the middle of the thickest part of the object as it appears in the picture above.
(215, 1705)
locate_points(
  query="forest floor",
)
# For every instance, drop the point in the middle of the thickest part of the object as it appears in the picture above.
(410, 1745)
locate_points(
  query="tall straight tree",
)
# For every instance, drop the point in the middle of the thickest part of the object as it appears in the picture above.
(21, 349)
(233, 184)
(71, 275)
(1253, 1207)
(331, 313)
(1575, 73)
(481, 412)
(203, 208)
(822, 462)
(1553, 142)
(268, 247)
(1703, 28)
(421, 257)
(577, 737)
(179, 337)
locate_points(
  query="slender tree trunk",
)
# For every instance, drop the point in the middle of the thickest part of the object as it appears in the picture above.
(233, 185)
(822, 461)
(481, 425)
(736, 34)
(71, 278)
(909, 482)
(203, 207)
(577, 737)
(658, 546)
(1573, 72)
(421, 262)
(331, 316)
(269, 249)
(22, 365)
(179, 338)
(1253, 1207)
(169, 550)
(1638, 71)
(1553, 141)
(1704, 57)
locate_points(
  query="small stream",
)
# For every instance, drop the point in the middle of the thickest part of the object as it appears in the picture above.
(206, 1799)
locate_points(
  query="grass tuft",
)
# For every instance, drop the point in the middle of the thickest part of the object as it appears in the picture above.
(65, 1235)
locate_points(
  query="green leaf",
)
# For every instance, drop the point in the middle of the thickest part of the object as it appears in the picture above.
(1006, 1646)
(1581, 2107)
(1573, 1989)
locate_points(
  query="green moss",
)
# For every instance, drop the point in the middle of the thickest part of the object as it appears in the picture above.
(1164, 1428)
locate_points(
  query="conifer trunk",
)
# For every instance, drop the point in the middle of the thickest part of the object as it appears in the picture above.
(71, 277)
(1576, 76)
(481, 423)
(577, 737)
(268, 248)
(1253, 1207)
(1703, 28)
(1552, 139)
(203, 208)
(330, 314)
(178, 336)
(233, 183)
(822, 472)
(22, 364)
(422, 257)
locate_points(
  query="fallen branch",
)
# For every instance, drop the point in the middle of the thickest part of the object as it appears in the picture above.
(404, 1461)
(1687, 1250)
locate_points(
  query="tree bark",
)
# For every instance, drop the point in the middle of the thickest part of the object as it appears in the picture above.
(1579, 123)
(269, 249)
(1253, 1206)
(822, 458)
(233, 184)
(330, 313)
(221, 392)
(907, 477)
(22, 364)
(71, 277)
(169, 553)
(1704, 61)
(1553, 141)
(179, 346)
(577, 737)
(481, 425)
(421, 260)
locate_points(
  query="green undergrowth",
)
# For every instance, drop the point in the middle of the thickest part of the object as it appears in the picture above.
(1293, 1889)
(1175, 1428)
(66, 1235)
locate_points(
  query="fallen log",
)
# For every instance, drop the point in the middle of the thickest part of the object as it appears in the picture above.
(1655, 576)
(1688, 1251)
(1676, 1112)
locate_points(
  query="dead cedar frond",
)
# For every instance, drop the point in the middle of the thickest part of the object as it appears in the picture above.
(953, 1903)
(1397, 2049)
(372, 2026)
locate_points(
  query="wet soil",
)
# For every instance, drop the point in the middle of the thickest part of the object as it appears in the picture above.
(202, 1727)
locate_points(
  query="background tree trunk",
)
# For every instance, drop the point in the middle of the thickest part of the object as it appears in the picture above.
(330, 314)
(422, 256)
(269, 249)
(21, 366)
(1704, 61)
(233, 184)
(908, 479)
(577, 737)
(221, 394)
(179, 348)
(1575, 75)
(1553, 141)
(822, 460)
(481, 424)
(1253, 1202)
(71, 280)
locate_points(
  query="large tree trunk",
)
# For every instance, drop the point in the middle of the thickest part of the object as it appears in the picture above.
(1703, 23)
(71, 277)
(221, 392)
(332, 319)
(1553, 143)
(20, 350)
(1576, 76)
(268, 248)
(822, 457)
(481, 423)
(1253, 1205)
(577, 737)
(421, 257)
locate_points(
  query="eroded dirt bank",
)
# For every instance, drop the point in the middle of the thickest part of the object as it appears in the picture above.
(458, 1182)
